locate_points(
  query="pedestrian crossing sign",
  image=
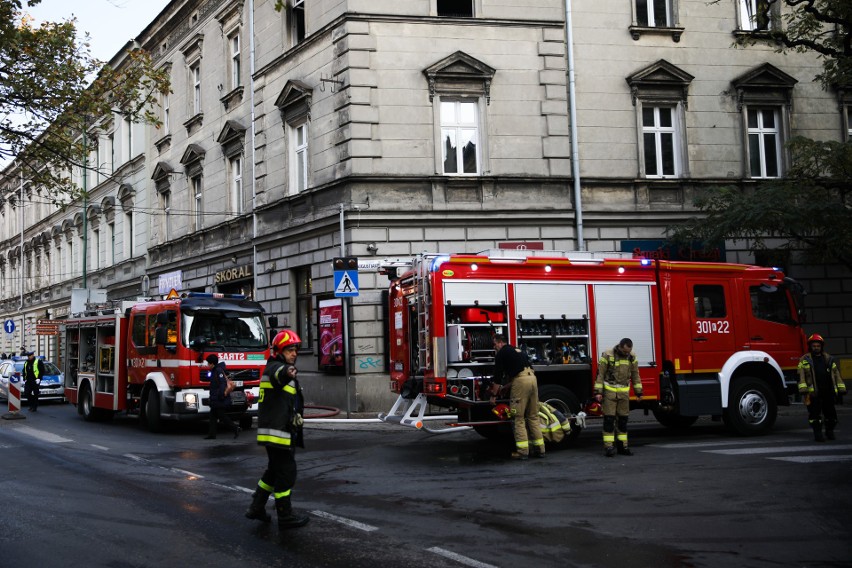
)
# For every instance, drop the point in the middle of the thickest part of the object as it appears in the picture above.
(345, 277)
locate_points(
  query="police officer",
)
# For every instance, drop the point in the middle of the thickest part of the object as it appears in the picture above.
(33, 371)
(820, 384)
(218, 400)
(279, 429)
(512, 367)
(617, 368)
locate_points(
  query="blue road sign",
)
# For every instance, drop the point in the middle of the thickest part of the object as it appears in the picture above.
(345, 283)
(9, 326)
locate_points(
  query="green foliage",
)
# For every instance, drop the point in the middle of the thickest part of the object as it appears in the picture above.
(47, 96)
(810, 209)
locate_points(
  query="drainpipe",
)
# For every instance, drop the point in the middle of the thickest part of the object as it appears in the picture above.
(572, 111)
(253, 150)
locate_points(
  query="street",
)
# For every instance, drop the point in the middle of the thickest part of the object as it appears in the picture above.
(112, 494)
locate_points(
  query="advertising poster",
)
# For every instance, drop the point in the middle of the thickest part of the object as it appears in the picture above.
(331, 334)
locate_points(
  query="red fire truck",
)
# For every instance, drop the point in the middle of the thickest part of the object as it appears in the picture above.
(711, 338)
(147, 358)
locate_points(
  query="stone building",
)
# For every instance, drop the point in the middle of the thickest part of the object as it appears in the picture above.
(425, 125)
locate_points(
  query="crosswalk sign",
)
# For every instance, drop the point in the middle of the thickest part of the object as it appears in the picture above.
(346, 277)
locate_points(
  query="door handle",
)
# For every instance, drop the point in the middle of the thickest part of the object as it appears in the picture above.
(756, 338)
(699, 339)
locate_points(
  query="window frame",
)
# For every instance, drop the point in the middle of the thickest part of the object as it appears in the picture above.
(459, 126)
(747, 11)
(298, 21)
(195, 84)
(760, 133)
(303, 301)
(235, 177)
(196, 188)
(299, 157)
(235, 59)
(676, 130)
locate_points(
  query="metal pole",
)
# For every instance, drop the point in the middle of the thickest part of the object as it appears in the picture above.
(345, 312)
(85, 206)
(22, 246)
(572, 102)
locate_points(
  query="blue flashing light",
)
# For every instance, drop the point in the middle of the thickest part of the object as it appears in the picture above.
(645, 262)
(438, 261)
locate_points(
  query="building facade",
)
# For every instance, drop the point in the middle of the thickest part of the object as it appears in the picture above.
(428, 125)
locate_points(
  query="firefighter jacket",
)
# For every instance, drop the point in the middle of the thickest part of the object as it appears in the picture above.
(508, 363)
(279, 417)
(615, 372)
(808, 379)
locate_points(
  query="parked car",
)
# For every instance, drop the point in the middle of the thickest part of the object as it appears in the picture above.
(52, 381)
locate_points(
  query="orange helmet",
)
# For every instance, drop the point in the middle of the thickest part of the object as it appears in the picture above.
(816, 337)
(285, 338)
(594, 408)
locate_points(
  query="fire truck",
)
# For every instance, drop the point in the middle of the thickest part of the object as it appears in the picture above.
(146, 358)
(712, 339)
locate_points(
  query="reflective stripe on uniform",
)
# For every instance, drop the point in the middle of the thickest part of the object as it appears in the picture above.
(265, 486)
(613, 388)
(273, 436)
(282, 494)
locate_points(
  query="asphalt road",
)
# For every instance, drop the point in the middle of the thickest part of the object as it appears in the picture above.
(112, 495)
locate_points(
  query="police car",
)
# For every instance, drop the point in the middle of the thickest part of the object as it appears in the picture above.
(52, 381)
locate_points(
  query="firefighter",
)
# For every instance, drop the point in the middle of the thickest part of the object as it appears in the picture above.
(279, 429)
(33, 370)
(511, 367)
(820, 384)
(617, 368)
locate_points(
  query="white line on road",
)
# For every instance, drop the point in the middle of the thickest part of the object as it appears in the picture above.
(725, 443)
(814, 459)
(345, 521)
(786, 449)
(459, 558)
(97, 447)
(43, 436)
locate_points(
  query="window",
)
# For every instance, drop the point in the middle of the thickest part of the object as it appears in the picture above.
(96, 248)
(459, 137)
(770, 303)
(455, 8)
(304, 305)
(127, 126)
(297, 21)
(764, 142)
(166, 110)
(758, 15)
(299, 158)
(234, 40)
(166, 207)
(236, 173)
(709, 301)
(660, 141)
(660, 95)
(110, 244)
(848, 110)
(69, 260)
(195, 74)
(654, 13)
(128, 234)
(198, 203)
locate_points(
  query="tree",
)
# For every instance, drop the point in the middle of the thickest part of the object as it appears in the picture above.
(48, 96)
(811, 207)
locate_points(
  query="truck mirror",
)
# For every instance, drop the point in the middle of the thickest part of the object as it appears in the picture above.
(161, 335)
(198, 344)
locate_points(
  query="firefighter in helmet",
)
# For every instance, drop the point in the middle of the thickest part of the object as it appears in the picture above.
(617, 368)
(511, 367)
(820, 384)
(279, 429)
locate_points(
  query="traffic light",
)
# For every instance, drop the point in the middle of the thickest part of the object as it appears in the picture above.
(346, 263)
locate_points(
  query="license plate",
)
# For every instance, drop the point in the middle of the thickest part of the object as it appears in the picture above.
(47, 391)
(238, 383)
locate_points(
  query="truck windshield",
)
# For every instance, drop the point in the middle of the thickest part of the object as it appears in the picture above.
(221, 330)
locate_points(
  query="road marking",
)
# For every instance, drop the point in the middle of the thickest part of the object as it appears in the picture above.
(345, 521)
(726, 443)
(459, 558)
(43, 436)
(97, 447)
(786, 449)
(814, 459)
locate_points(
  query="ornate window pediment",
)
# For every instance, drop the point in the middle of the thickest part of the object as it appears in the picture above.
(192, 159)
(765, 84)
(295, 101)
(232, 138)
(460, 74)
(660, 81)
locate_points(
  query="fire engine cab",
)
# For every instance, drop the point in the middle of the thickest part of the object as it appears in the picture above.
(712, 339)
(147, 358)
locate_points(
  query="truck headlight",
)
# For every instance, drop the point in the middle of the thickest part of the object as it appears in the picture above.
(191, 400)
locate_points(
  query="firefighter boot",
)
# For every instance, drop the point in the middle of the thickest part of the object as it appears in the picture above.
(609, 451)
(817, 426)
(829, 429)
(287, 519)
(257, 509)
(623, 450)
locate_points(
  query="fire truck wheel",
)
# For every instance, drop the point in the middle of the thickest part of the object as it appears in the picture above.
(674, 421)
(751, 409)
(563, 400)
(153, 420)
(86, 404)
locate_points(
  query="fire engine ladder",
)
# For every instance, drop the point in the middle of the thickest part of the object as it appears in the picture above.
(412, 412)
(424, 300)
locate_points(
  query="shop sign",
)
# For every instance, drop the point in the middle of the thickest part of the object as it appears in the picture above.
(232, 274)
